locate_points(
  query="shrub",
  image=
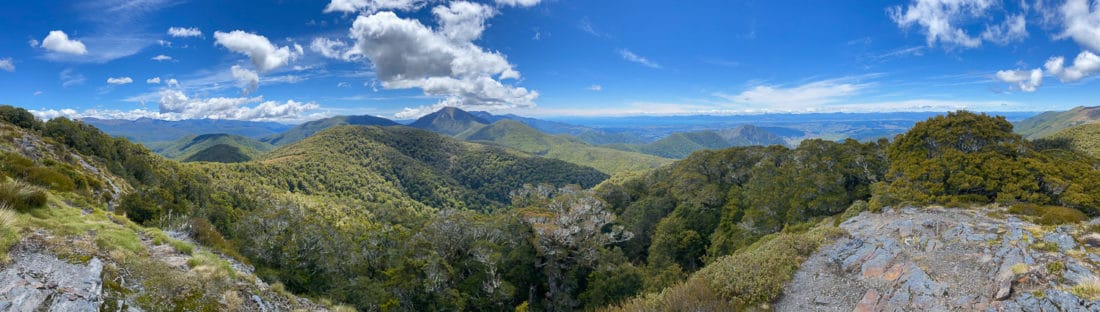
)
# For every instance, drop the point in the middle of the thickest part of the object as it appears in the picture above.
(50, 178)
(206, 234)
(1049, 215)
(691, 295)
(1054, 215)
(855, 209)
(1056, 267)
(21, 197)
(757, 274)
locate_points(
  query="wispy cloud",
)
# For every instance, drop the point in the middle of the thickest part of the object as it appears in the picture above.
(630, 56)
(785, 98)
(71, 78)
(586, 25)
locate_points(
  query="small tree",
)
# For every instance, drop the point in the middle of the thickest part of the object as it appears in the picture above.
(570, 227)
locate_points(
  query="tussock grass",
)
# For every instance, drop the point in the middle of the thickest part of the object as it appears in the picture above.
(22, 197)
(1088, 289)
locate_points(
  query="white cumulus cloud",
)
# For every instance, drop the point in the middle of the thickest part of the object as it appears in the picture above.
(520, 3)
(247, 80)
(443, 62)
(1082, 23)
(1013, 29)
(184, 32)
(463, 21)
(596, 88)
(6, 64)
(371, 6)
(1085, 64)
(162, 57)
(264, 55)
(154, 80)
(334, 49)
(944, 22)
(1024, 80)
(120, 80)
(58, 41)
(184, 107)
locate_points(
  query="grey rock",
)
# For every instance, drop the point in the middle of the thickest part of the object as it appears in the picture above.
(1004, 289)
(1060, 239)
(40, 282)
(1076, 273)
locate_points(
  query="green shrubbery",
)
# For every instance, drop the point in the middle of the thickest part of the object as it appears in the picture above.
(1049, 215)
(966, 158)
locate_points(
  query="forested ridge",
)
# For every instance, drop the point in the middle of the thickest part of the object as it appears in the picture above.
(401, 219)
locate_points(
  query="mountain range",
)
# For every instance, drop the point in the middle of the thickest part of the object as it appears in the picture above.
(372, 217)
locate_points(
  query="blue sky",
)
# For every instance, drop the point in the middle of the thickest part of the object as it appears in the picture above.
(295, 60)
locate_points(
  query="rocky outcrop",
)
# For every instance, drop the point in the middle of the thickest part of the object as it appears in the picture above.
(40, 282)
(934, 259)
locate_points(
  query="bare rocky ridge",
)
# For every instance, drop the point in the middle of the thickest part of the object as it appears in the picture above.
(935, 259)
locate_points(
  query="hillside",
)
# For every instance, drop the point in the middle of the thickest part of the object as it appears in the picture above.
(410, 220)
(513, 134)
(219, 147)
(307, 129)
(728, 229)
(64, 246)
(450, 121)
(588, 135)
(681, 144)
(149, 131)
(435, 170)
(1085, 138)
(1052, 122)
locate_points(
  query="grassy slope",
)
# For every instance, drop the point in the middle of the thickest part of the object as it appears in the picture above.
(1049, 123)
(513, 134)
(1085, 137)
(225, 147)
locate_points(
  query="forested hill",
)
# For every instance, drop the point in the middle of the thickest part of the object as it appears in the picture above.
(307, 129)
(438, 171)
(681, 144)
(218, 147)
(450, 121)
(516, 135)
(149, 131)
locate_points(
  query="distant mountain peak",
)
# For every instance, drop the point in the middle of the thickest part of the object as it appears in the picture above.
(450, 121)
